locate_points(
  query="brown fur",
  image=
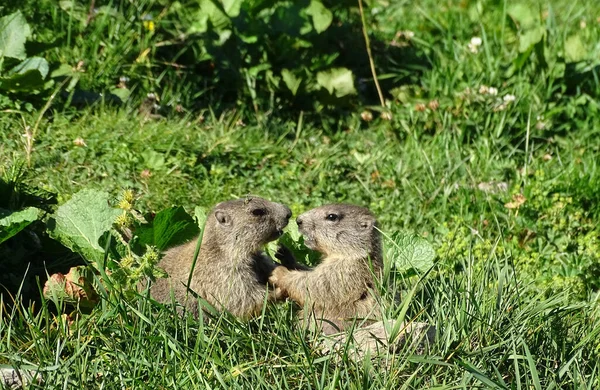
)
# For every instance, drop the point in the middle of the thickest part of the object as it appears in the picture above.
(231, 271)
(340, 288)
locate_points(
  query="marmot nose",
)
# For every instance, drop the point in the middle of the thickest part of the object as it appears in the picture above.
(298, 221)
(288, 213)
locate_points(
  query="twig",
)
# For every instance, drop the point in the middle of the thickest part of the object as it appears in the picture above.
(30, 135)
(90, 15)
(368, 44)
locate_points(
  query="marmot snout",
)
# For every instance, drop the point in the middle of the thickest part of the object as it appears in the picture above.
(341, 229)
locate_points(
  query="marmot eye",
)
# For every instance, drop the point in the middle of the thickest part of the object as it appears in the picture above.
(259, 212)
(332, 217)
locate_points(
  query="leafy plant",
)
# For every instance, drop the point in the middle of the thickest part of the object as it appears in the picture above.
(12, 223)
(576, 64)
(410, 253)
(19, 74)
(266, 46)
(88, 225)
(531, 34)
(79, 223)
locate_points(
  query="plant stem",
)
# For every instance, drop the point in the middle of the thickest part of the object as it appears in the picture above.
(368, 44)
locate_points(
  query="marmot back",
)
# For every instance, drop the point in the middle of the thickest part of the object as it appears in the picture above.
(231, 271)
(341, 287)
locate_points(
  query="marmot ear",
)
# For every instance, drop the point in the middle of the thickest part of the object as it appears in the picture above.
(366, 223)
(223, 217)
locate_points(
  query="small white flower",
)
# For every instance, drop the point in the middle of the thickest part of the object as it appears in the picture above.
(509, 98)
(366, 116)
(540, 125)
(500, 107)
(79, 142)
(474, 45)
(485, 90)
(476, 41)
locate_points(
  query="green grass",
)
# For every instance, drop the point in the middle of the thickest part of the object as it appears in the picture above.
(514, 292)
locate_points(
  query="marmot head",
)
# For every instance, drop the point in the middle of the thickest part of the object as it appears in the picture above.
(341, 229)
(249, 223)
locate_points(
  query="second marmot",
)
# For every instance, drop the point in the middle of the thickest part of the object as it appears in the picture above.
(341, 288)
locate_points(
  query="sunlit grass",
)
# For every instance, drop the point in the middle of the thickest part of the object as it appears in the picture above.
(506, 191)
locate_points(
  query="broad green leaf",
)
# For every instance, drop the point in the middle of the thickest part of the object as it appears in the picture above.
(409, 251)
(75, 10)
(292, 230)
(216, 14)
(224, 36)
(291, 81)
(321, 16)
(12, 223)
(530, 38)
(232, 7)
(211, 13)
(337, 81)
(574, 49)
(200, 216)
(79, 223)
(199, 23)
(293, 240)
(153, 160)
(14, 31)
(520, 60)
(523, 16)
(33, 63)
(63, 70)
(122, 93)
(255, 70)
(248, 38)
(361, 158)
(170, 227)
(27, 76)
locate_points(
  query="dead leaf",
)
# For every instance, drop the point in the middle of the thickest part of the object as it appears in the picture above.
(517, 201)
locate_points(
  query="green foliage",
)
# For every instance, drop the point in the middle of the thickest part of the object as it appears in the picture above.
(251, 44)
(293, 240)
(14, 31)
(88, 225)
(169, 227)
(410, 253)
(272, 54)
(27, 76)
(12, 223)
(79, 223)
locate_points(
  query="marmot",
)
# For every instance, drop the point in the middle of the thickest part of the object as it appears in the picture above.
(341, 288)
(232, 270)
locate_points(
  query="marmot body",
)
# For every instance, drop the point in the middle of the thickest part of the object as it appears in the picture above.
(341, 288)
(231, 271)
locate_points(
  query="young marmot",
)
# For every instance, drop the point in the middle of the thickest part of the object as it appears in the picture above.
(341, 288)
(231, 271)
